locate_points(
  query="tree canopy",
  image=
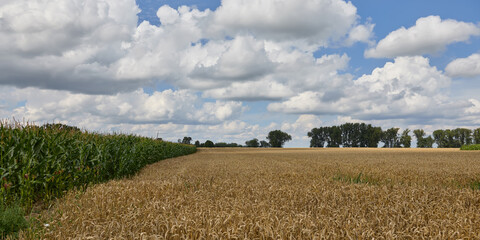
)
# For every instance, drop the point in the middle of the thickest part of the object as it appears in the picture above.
(346, 135)
(252, 143)
(186, 140)
(278, 138)
(264, 144)
(209, 144)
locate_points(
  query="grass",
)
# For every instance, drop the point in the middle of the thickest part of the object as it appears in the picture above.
(282, 194)
(475, 185)
(12, 220)
(471, 147)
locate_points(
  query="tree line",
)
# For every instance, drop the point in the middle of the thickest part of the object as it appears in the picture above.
(361, 135)
(208, 143)
(275, 138)
(366, 135)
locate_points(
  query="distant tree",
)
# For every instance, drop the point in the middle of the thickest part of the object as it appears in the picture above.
(209, 144)
(429, 142)
(422, 141)
(318, 137)
(224, 144)
(373, 136)
(233, 145)
(476, 136)
(405, 138)
(441, 138)
(363, 134)
(186, 140)
(390, 138)
(454, 138)
(197, 143)
(334, 136)
(221, 144)
(264, 144)
(350, 134)
(419, 135)
(252, 143)
(464, 136)
(278, 138)
(447, 138)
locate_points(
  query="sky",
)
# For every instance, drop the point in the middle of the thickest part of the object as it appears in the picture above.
(233, 70)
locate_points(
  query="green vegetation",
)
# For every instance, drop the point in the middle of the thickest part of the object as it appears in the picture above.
(11, 220)
(363, 135)
(422, 141)
(252, 143)
(42, 163)
(475, 185)
(278, 138)
(357, 135)
(471, 147)
(211, 144)
(454, 138)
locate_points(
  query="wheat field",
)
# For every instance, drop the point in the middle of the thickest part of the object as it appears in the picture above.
(283, 194)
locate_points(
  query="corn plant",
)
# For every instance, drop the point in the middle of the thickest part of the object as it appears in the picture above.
(41, 163)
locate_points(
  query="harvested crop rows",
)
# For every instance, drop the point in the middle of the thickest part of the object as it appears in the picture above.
(283, 193)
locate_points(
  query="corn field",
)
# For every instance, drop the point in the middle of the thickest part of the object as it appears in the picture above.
(41, 163)
(283, 194)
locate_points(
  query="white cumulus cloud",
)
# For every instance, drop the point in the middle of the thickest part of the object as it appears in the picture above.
(138, 107)
(464, 67)
(96, 47)
(406, 88)
(309, 23)
(65, 44)
(429, 35)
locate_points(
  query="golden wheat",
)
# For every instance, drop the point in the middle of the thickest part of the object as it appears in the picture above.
(283, 194)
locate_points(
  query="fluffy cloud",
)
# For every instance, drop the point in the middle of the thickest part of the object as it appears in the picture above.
(65, 44)
(313, 21)
(295, 72)
(242, 58)
(475, 108)
(361, 33)
(251, 91)
(406, 88)
(191, 49)
(164, 52)
(299, 129)
(96, 47)
(53, 27)
(429, 35)
(464, 67)
(138, 107)
(311, 102)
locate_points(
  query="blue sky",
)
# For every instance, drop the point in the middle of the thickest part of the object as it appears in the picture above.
(233, 70)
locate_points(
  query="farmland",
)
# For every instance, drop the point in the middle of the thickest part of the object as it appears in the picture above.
(283, 193)
(42, 163)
